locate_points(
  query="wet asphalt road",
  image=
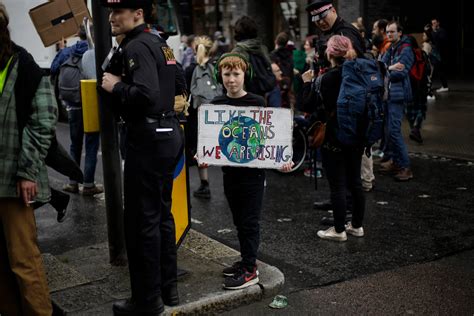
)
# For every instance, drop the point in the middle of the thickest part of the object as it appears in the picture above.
(423, 221)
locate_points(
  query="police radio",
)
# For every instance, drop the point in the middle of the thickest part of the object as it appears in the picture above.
(113, 62)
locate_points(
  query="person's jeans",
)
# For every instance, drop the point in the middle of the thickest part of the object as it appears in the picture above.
(76, 130)
(396, 143)
(343, 174)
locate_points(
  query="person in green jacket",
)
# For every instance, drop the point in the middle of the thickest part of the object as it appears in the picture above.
(24, 142)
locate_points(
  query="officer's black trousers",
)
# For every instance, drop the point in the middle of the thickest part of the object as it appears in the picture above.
(149, 225)
(243, 188)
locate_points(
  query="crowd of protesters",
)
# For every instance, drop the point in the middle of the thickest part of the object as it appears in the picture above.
(307, 80)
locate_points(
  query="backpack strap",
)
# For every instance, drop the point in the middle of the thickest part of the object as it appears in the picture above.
(401, 47)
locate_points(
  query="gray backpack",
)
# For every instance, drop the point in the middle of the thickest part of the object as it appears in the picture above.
(69, 81)
(203, 86)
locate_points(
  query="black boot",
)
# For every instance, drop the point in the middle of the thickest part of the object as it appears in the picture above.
(60, 202)
(203, 192)
(170, 295)
(415, 135)
(129, 307)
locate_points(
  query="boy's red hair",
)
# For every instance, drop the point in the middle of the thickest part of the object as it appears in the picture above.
(232, 62)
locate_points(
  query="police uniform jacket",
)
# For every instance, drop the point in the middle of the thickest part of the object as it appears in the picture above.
(342, 27)
(149, 76)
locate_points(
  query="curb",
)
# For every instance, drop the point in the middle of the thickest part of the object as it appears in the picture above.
(87, 293)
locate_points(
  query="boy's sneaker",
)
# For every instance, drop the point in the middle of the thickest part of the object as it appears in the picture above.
(230, 271)
(442, 89)
(331, 234)
(71, 188)
(357, 232)
(242, 279)
(203, 192)
(89, 191)
(235, 268)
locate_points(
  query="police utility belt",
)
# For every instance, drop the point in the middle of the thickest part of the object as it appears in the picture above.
(151, 128)
(155, 118)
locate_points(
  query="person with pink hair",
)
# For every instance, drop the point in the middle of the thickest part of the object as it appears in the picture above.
(341, 162)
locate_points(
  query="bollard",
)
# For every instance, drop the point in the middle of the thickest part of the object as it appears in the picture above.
(90, 105)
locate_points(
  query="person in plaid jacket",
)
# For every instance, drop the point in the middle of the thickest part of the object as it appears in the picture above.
(24, 142)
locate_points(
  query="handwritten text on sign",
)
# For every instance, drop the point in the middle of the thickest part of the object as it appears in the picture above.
(244, 136)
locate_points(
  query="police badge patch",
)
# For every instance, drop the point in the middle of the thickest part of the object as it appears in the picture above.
(169, 55)
(132, 64)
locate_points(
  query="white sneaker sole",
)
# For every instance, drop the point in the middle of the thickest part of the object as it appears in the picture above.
(232, 274)
(243, 286)
(333, 238)
(355, 233)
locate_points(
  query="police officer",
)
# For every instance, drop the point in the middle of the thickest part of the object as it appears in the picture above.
(146, 89)
(325, 17)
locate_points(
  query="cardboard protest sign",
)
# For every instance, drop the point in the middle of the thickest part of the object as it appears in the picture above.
(251, 137)
(58, 19)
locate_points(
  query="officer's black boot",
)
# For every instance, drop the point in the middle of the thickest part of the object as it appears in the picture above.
(170, 295)
(129, 307)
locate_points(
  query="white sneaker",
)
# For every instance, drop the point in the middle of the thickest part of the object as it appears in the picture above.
(358, 232)
(431, 97)
(442, 89)
(331, 234)
(367, 186)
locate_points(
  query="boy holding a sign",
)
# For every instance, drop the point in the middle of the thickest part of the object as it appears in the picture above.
(243, 186)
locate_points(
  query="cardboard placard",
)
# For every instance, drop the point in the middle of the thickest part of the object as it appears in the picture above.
(242, 136)
(58, 19)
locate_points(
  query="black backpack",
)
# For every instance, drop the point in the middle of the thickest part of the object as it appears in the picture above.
(69, 81)
(263, 80)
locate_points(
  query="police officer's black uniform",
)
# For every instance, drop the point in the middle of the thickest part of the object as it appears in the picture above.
(340, 27)
(154, 145)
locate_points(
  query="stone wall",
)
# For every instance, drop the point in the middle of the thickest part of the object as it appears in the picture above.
(349, 10)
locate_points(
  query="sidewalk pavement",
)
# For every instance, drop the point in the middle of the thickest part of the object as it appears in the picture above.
(82, 282)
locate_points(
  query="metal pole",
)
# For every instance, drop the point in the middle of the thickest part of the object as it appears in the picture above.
(112, 167)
